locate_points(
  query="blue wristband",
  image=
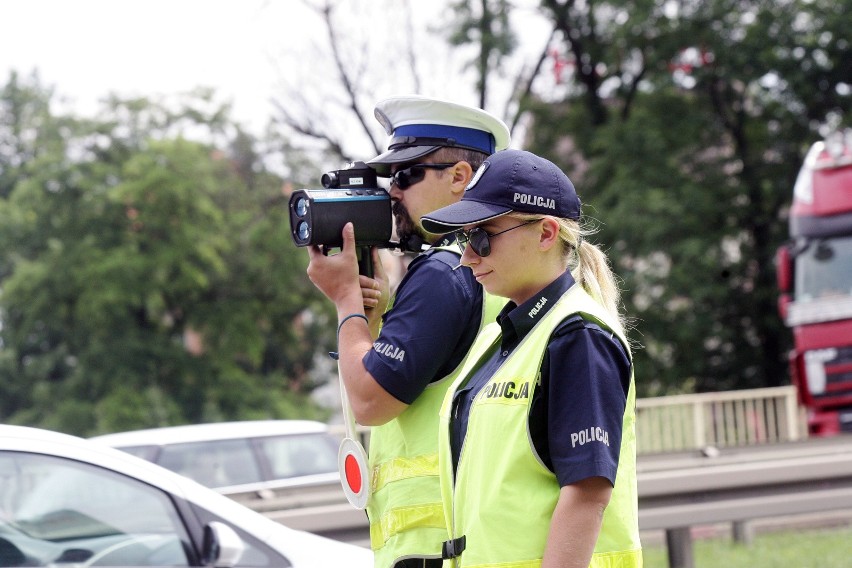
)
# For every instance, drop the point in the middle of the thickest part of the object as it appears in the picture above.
(334, 354)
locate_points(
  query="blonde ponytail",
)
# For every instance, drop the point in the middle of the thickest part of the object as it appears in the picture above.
(593, 273)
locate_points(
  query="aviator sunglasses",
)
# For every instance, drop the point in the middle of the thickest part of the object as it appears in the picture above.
(407, 177)
(479, 238)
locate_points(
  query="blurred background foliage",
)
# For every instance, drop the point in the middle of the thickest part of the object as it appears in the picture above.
(147, 279)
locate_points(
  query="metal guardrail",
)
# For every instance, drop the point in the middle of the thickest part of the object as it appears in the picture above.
(679, 492)
(676, 492)
(321, 509)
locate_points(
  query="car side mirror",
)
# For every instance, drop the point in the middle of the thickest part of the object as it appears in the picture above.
(222, 546)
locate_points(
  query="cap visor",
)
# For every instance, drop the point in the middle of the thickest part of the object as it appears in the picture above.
(465, 212)
(382, 162)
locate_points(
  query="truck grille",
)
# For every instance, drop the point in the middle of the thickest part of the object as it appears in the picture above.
(838, 375)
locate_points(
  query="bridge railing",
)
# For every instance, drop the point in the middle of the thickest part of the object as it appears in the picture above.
(718, 419)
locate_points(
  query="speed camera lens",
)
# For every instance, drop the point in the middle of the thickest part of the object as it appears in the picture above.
(301, 207)
(303, 231)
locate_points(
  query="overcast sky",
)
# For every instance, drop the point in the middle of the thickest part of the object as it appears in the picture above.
(249, 51)
(87, 48)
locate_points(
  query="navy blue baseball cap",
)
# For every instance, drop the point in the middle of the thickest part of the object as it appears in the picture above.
(511, 180)
(419, 125)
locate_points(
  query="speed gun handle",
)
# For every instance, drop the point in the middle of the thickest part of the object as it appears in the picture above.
(365, 261)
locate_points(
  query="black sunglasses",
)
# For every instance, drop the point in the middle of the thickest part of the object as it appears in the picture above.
(479, 238)
(407, 177)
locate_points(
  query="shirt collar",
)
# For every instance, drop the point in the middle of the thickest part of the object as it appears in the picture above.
(446, 240)
(516, 321)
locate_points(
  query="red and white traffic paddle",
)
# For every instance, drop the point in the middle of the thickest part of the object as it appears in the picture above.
(352, 459)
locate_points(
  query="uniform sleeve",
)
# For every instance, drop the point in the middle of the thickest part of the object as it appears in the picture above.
(586, 376)
(425, 335)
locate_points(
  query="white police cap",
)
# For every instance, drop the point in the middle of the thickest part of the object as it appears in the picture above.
(419, 125)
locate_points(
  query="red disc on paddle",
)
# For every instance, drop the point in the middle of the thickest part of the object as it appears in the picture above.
(353, 473)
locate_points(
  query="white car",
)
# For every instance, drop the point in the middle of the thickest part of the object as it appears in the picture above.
(251, 455)
(65, 501)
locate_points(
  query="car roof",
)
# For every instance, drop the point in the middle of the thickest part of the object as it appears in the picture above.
(212, 431)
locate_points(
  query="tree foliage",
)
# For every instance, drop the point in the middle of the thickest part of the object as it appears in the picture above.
(148, 279)
(486, 25)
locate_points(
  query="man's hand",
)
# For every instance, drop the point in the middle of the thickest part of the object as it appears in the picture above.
(336, 276)
(376, 293)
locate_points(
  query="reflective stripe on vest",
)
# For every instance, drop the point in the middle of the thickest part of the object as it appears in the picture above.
(405, 509)
(403, 468)
(395, 521)
(483, 501)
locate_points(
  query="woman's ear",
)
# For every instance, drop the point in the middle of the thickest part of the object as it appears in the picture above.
(549, 235)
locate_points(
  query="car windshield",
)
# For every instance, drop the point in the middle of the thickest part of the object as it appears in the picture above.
(55, 510)
(824, 270)
(216, 463)
(305, 454)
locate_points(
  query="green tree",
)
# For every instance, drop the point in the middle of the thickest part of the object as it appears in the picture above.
(150, 278)
(484, 24)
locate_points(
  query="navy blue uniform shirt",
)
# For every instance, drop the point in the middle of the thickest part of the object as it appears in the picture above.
(585, 376)
(430, 327)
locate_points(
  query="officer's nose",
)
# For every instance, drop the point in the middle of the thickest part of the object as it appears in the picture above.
(469, 256)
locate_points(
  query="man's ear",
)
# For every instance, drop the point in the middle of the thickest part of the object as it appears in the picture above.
(462, 173)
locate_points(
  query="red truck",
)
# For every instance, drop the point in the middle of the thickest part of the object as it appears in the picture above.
(814, 271)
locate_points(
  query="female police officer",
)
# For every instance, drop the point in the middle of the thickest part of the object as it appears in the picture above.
(537, 440)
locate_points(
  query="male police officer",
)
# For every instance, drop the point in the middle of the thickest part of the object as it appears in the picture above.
(396, 378)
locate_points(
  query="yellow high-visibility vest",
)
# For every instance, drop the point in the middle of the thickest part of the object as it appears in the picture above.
(502, 496)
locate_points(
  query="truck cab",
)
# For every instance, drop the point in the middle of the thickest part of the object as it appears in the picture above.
(814, 271)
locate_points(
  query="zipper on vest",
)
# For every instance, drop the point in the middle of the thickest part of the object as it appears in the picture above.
(454, 559)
